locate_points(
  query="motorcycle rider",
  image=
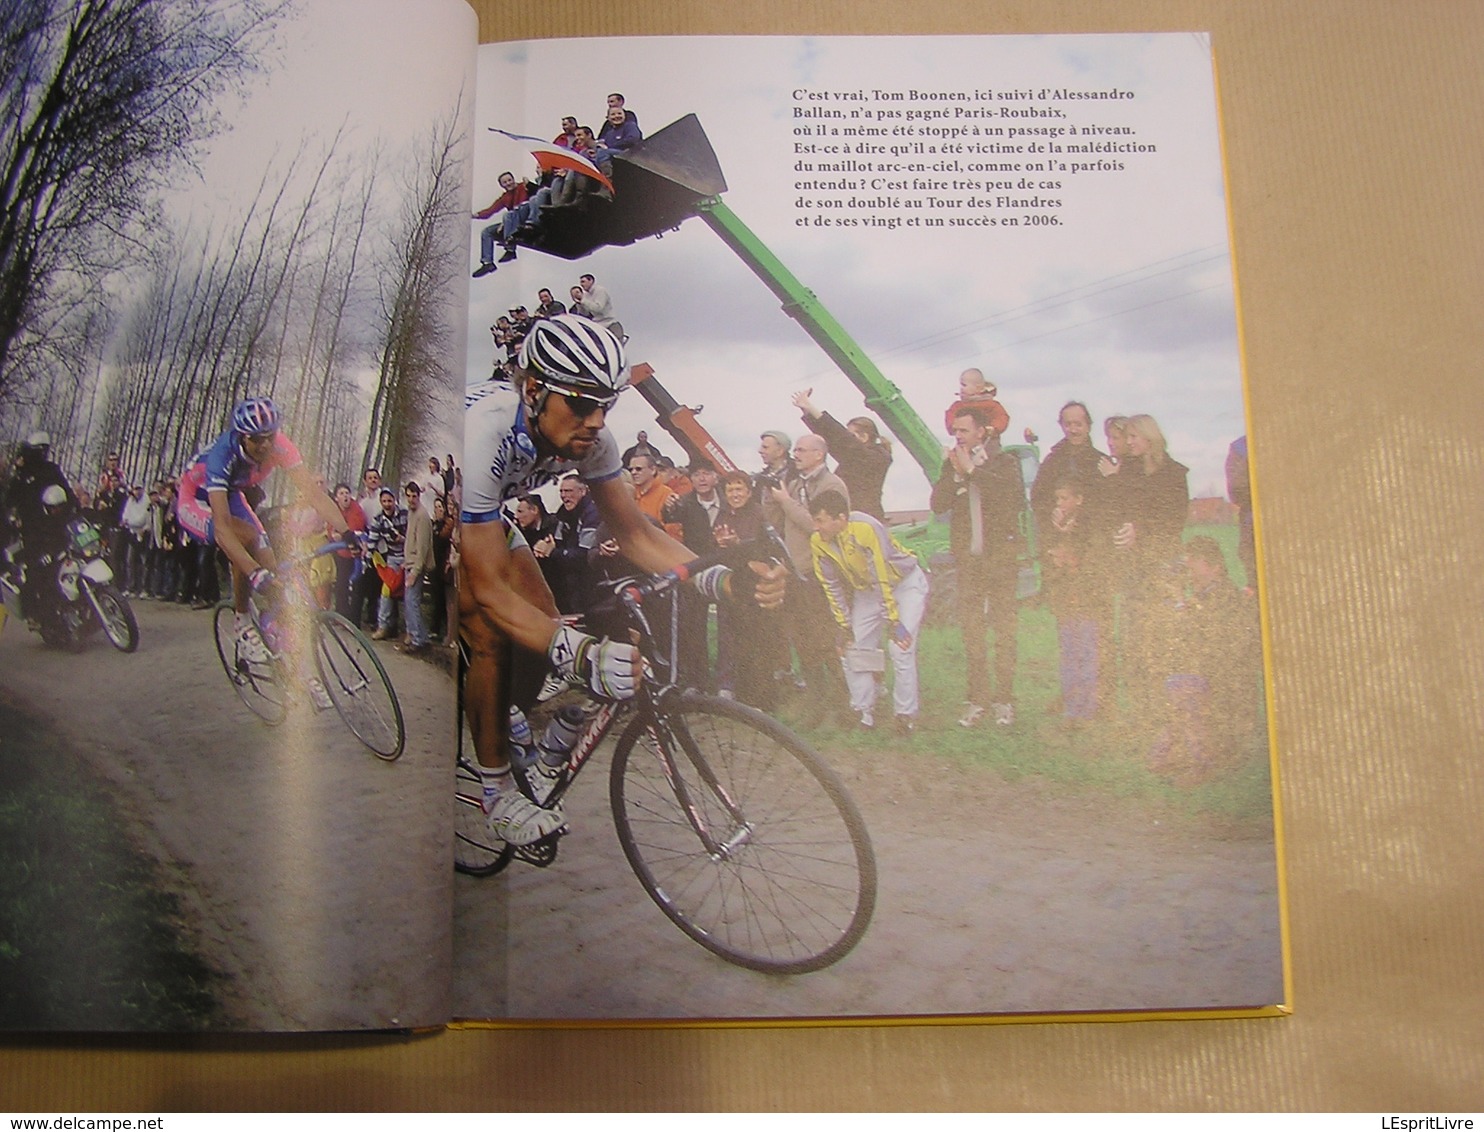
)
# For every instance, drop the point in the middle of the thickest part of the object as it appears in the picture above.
(45, 540)
(33, 473)
(33, 478)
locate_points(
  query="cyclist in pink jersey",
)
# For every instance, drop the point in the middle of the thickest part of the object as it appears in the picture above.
(213, 506)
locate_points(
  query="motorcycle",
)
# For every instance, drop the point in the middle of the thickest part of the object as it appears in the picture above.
(84, 598)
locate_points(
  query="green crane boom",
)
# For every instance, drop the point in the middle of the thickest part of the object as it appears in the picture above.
(672, 175)
(802, 305)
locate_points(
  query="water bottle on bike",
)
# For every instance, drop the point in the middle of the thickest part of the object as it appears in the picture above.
(561, 734)
(522, 740)
(556, 743)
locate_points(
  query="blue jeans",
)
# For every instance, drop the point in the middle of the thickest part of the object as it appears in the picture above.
(501, 230)
(162, 580)
(386, 612)
(529, 213)
(412, 611)
(134, 574)
(1077, 642)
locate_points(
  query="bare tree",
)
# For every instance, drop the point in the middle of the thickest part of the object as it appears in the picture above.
(319, 405)
(225, 311)
(99, 101)
(415, 372)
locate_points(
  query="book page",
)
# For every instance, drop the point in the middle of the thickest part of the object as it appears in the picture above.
(1025, 643)
(217, 819)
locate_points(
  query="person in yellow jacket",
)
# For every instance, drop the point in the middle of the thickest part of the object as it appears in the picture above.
(874, 587)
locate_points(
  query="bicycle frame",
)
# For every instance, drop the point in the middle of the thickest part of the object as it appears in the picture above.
(346, 673)
(598, 727)
(294, 597)
(292, 579)
(734, 827)
(648, 703)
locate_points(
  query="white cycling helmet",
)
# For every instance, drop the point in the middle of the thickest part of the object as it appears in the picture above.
(53, 496)
(574, 355)
(38, 439)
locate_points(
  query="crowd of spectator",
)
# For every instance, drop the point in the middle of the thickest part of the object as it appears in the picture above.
(1152, 634)
(405, 570)
(529, 205)
(589, 299)
(409, 562)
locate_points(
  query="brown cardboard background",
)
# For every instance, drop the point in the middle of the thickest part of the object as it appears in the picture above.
(1355, 157)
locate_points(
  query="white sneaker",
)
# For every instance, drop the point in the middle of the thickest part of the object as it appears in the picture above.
(1004, 715)
(250, 644)
(516, 820)
(542, 780)
(973, 713)
(317, 694)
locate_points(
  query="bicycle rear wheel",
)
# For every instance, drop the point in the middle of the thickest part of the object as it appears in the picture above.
(358, 685)
(787, 882)
(257, 683)
(475, 850)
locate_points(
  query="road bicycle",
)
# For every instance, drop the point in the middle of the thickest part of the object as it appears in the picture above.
(734, 826)
(345, 661)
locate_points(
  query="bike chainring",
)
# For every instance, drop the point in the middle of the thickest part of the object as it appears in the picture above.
(540, 853)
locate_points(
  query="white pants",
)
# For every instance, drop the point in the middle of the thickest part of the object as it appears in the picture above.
(867, 622)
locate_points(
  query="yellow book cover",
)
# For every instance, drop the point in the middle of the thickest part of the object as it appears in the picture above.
(621, 530)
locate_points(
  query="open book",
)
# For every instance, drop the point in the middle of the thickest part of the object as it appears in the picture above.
(960, 714)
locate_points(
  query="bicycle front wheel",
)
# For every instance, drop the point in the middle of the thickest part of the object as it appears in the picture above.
(358, 685)
(742, 835)
(256, 682)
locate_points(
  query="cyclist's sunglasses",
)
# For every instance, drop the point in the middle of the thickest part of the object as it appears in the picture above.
(583, 405)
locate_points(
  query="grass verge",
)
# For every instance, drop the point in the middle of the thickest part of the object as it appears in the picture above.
(89, 939)
(1108, 758)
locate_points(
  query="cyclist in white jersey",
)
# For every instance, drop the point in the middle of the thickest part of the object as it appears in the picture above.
(518, 436)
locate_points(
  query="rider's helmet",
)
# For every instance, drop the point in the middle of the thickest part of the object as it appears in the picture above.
(575, 356)
(38, 441)
(257, 416)
(53, 497)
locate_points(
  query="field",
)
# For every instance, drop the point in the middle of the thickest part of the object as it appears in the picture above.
(89, 936)
(1107, 757)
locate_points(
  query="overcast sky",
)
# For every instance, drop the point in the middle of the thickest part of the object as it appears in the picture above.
(385, 72)
(383, 69)
(1128, 306)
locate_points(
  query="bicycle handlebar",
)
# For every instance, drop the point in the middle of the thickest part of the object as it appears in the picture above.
(334, 546)
(358, 539)
(635, 590)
